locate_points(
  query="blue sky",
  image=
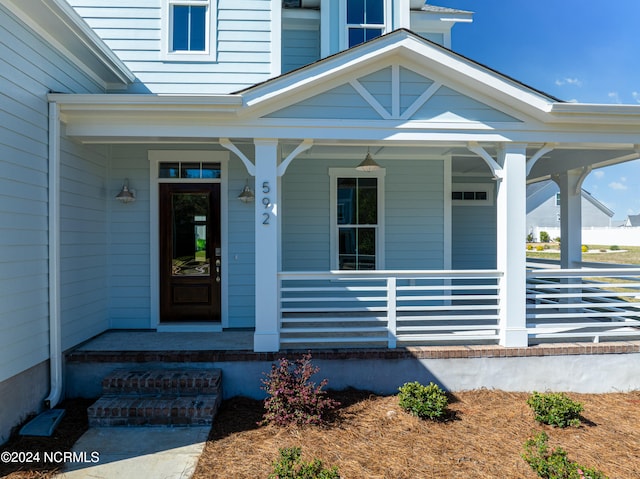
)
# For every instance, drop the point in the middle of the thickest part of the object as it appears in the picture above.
(574, 50)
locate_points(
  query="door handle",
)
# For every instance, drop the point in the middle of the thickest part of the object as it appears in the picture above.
(218, 264)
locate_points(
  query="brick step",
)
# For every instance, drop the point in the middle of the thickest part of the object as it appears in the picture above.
(111, 410)
(175, 382)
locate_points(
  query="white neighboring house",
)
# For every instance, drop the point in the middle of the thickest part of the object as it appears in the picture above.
(543, 208)
(186, 103)
(632, 221)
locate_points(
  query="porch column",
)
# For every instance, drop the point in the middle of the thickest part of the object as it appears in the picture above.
(267, 240)
(511, 254)
(570, 183)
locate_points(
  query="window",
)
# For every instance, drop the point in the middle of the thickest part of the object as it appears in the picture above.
(558, 199)
(190, 29)
(365, 20)
(472, 194)
(357, 219)
(469, 195)
(188, 170)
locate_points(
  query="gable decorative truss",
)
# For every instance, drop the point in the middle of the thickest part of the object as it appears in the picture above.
(395, 83)
(394, 92)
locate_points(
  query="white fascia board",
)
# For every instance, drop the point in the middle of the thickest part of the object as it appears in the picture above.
(602, 114)
(60, 26)
(431, 18)
(143, 102)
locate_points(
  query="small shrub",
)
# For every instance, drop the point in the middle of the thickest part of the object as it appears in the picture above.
(290, 466)
(292, 398)
(585, 248)
(547, 247)
(555, 409)
(614, 247)
(557, 239)
(544, 237)
(539, 248)
(554, 464)
(529, 247)
(423, 401)
(530, 238)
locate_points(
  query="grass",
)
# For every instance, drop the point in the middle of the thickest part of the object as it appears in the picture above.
(371, 437)
(626, 255)
(602, 254)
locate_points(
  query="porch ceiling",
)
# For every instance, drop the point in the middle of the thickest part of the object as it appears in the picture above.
(562, 158)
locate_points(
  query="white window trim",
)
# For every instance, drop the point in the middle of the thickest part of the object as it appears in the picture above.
(342, 15)
(334, 174)
(195, 156)
(488, 188)
(209, 54)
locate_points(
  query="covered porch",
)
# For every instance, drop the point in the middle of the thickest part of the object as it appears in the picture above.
(411, 308)
(438, 257)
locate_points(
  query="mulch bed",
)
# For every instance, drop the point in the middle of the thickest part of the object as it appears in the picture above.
(371, 437)
(71, 427)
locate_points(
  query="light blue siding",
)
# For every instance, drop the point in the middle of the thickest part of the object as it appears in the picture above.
(133, 29)
(240, 249)
(305, 224)
(473, 235)
(414, 214)
(377, 84)
(342, 102)
(29, 69)
(412, 85)
(83, 243)
(449, 105)
(129, 236)
(299, 48)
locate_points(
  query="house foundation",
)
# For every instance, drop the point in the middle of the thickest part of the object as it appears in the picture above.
(21, 396)
(572, 367)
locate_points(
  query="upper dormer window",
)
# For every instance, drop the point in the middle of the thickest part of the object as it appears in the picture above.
(190, 30)
(365, 20)
(189, 26)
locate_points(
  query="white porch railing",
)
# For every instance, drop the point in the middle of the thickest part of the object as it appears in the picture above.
(384, 308)
(601, 302)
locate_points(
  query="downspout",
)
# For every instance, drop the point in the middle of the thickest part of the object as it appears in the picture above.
(55, 336)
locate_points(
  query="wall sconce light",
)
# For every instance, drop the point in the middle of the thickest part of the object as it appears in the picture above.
(368, 164)
(247, 195)
(126, 195)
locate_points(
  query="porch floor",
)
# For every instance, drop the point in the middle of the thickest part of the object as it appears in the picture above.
(137, 340)
(146, 346)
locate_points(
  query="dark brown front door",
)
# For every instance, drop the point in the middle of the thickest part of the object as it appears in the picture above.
(189, 252)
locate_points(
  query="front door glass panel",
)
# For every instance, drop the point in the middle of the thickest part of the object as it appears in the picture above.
(190, 255)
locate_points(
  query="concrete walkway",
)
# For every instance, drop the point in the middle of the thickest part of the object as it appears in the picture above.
(161, 452)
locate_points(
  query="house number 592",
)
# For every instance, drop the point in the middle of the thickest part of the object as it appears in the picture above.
(266, 202)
